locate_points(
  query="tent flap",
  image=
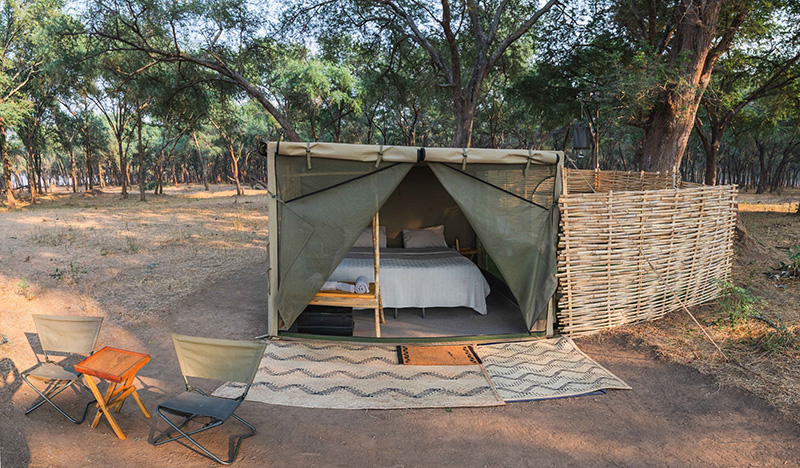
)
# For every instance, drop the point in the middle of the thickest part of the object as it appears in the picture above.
(511, 211)
(321, 212)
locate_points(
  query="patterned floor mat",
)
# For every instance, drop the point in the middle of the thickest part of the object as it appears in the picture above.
(340, 376)
(543, 369)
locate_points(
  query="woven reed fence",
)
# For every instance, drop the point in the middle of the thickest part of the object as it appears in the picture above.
(591, 181)
(629, 252)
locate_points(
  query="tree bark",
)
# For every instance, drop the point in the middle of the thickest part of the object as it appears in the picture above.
(10, 200)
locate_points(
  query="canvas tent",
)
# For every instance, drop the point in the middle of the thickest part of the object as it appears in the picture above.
(323, 195)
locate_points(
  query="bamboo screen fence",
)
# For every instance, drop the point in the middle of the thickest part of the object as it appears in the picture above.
(630, 251)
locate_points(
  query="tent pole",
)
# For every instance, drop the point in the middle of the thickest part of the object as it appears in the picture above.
(551, 317)
(272, 224)
(376, 248)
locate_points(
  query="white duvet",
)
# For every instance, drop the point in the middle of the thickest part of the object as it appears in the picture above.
(430, 277)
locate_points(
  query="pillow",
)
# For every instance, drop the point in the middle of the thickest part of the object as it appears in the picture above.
(427, 237)
(365, 238)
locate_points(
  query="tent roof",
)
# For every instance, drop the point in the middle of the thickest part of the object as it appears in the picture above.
(410, 154)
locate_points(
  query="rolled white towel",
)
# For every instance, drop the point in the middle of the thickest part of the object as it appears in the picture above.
(336, 285)
(362, 285)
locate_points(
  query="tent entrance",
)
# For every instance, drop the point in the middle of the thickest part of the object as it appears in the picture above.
(420, 200)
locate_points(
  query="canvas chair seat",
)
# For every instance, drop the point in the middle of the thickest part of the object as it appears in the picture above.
(195, 404)
(50, 371)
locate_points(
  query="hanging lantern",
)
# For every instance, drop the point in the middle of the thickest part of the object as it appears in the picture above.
(580, 137)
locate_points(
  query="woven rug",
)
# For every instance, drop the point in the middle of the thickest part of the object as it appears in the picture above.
(543, 369)
(437, 356)
(339, 376)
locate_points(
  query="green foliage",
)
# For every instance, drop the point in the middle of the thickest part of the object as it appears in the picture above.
(737, 304)
(778, 338)
(74, 80)
(794, 259)
(24, 288)
(789, 270)
(131, 244)
(72, 275)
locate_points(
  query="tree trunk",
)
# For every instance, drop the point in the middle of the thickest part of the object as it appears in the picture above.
(464, 109)
(667, 130)
(710, 147)
(160, 174)
(239, 190)
(202, 161)
(72, 171)
(45, 180)
(100, 172)
(763, 171)
(142, 196)
(31, 177)
(37, 169)
(123, 167)
(10, 200)
(594, 128)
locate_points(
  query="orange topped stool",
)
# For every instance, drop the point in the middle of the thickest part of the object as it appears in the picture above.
(119, 368)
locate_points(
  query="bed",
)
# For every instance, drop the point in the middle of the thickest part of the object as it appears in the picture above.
(423, 277)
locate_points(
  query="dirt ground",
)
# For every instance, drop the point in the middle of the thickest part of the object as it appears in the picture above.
(759, 357)
(194, 263)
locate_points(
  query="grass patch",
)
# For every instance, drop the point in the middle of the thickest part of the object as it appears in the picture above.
(53, 237)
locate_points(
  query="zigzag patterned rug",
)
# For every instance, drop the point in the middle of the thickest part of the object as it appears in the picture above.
(339, 376)
(543, 369)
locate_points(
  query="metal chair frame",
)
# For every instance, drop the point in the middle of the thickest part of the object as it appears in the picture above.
(162, 439)
(49, 394)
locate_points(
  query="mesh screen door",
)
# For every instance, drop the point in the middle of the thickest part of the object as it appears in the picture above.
(511, 208)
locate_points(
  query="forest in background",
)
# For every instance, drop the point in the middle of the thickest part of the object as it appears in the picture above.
(143, 93)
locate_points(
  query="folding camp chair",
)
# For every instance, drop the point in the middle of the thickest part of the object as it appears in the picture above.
(61, 334)
(207, 358)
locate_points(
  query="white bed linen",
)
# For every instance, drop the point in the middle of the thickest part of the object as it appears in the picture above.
(428, 277)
